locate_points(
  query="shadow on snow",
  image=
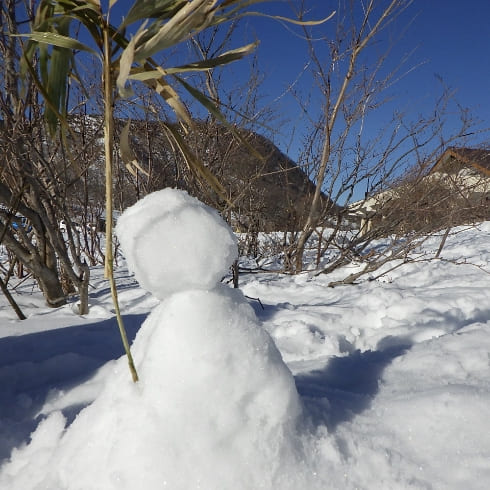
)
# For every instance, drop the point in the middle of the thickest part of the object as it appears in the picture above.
(347, 385)
(34, 364)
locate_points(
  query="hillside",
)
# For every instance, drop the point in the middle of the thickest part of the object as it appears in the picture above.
(268, 190)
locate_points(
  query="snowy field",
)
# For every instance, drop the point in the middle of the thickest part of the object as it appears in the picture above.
(384, 384)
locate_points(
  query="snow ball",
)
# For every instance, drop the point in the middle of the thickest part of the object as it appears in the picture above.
(173, 242)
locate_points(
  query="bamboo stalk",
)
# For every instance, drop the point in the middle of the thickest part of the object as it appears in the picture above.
(109, 153)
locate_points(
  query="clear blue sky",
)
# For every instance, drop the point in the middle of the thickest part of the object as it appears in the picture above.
(454, 37)
(450, 41)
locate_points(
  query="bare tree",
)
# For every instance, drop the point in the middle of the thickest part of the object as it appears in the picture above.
(343, 154)
(349, 89)
(33, 182)
(158, 27)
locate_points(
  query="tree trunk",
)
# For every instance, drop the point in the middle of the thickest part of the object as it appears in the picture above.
(83, 289)
(443, 242)
(50, 285)
(47, 278)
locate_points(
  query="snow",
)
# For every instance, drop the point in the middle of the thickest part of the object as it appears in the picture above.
(189, 241)
(381, 385)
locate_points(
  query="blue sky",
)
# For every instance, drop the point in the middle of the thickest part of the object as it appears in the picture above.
(449, 42)
(454, 38)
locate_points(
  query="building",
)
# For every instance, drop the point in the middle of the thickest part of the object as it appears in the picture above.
(455, 191)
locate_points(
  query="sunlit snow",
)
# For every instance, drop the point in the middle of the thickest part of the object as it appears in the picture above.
(382, 385)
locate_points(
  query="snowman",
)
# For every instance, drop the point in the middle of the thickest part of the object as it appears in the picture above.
(216, 408)
(210, 366)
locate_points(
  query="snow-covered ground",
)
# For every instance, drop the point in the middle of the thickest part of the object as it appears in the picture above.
(391, 386)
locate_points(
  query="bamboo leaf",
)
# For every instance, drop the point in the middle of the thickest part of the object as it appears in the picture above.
(237, 12)
(203, 100)
(214, 110)
(195, 165)
(44, 11)
(41, 87)
(57, 85)
(44, 62)
(126, 62)
(164, 89)
(134, 166)
(292, 21)
(224, 58)
(57, 79)
(193, 17)
(59, 40)
(238, 5)
(91, 18)
(147, 9)
(70, 8)
(127, 155)
(143, 75)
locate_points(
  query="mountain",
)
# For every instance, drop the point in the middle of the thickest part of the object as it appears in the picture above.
(268, 190)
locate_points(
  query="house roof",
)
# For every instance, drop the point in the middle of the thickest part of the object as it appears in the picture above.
(475, 157)
(453, 158)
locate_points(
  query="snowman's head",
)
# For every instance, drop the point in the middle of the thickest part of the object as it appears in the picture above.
(173, 242)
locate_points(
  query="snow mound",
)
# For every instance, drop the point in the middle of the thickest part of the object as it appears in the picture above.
(173, 242)
(432, 414)
(216, 407)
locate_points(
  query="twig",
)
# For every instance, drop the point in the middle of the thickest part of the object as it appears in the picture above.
(11, 300)
(22, 281)
(256, 299)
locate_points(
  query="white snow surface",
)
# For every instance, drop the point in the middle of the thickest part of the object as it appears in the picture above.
(380, 385)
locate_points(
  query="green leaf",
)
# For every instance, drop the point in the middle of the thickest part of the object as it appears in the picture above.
(41, 87)
(148, 9)
(59, 69)
(59, 40)
(55, 67)
(193, 17)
